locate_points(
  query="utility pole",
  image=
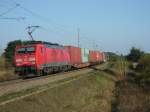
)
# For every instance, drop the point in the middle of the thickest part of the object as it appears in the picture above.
(94, 47)
(1, 50)
(78, 30)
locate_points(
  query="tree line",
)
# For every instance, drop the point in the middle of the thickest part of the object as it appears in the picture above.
(9, 52)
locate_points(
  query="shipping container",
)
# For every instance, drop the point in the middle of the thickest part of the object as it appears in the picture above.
(75, 55)
(98, 56)
(103, 57)
(85, 55)
(92, 56)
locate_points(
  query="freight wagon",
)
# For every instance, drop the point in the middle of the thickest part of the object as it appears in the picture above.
(94, 57)
(104, 58)
(75, 56)
(79, 57)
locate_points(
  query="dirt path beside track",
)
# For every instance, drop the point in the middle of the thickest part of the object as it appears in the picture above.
(30, 83)
(19, 86)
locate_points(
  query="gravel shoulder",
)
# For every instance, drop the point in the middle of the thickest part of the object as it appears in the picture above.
(30, 83)
(11, 90)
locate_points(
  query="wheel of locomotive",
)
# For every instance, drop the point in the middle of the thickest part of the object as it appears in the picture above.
(56, 69)
(60, 68)
(50, 70)
(45, 71)
(39, 72)
(69, 67)
(63, 68)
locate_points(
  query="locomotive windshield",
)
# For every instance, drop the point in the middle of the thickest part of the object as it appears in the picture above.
(30, 49)
(26, 50)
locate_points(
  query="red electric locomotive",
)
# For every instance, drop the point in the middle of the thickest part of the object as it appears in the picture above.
(40, 58)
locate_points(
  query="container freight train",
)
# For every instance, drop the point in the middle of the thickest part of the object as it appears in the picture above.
(41, 58)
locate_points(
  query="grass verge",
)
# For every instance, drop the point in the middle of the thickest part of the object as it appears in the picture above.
(6, 73)
(131, 98)
(91, 93)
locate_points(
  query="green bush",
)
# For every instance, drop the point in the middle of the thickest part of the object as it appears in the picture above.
(10, 52)
(145, 61)
(144, 69)
(2, 62)
(134, 55)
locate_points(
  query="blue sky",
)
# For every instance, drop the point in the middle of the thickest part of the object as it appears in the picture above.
(112, 25)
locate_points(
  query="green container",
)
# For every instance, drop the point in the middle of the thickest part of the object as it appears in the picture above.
(85, 55)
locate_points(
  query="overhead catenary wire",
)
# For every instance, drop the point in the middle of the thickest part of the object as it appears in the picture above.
(94, 44)
(9, 10)
(78, 30)
(59, 29)
(5, 4)
(37, 16)
(13, 18)
(47, 20)
(3, 17)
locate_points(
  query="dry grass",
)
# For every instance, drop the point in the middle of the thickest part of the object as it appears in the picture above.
(5, 73)
(2, 63)
(131, 98)
(87, 94)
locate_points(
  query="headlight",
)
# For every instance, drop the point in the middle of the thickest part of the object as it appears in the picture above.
(33, 62)
(32, 59)
(18, 60)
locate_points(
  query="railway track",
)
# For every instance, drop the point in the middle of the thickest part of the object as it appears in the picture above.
(21, 84)
(19, 80)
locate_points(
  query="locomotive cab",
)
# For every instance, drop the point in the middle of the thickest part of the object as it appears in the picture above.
(25, 59)
(40, 58)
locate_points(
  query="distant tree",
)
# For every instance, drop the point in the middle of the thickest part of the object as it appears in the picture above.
(145, 61)
(10, 52)
(112, 56)
(144, 69)
(2, 62)
(135, 54)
